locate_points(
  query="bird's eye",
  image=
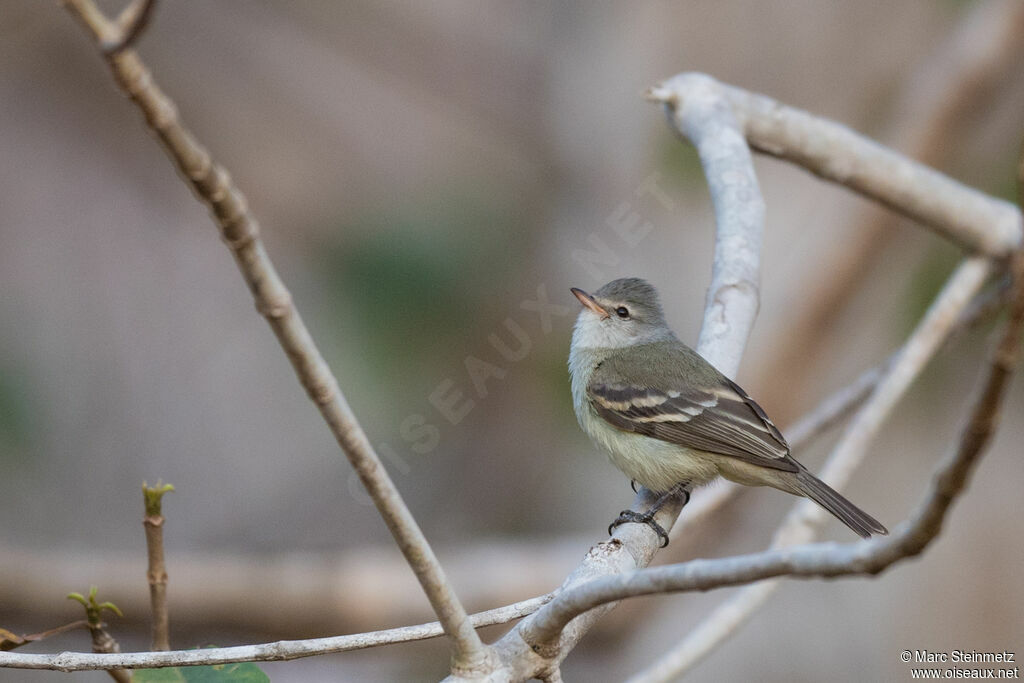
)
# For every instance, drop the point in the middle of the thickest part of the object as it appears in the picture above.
(622, 312)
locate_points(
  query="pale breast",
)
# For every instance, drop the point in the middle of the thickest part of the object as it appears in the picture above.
(654, 464)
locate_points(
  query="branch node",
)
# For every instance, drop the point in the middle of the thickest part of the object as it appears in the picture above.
(130, 25)
(275, 308)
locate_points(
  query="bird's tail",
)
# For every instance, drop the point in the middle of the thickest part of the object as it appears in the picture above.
(849, 514)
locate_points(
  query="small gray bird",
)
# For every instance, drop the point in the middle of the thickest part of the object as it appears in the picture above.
(667, 418)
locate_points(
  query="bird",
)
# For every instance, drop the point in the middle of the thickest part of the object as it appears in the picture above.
(667, 418)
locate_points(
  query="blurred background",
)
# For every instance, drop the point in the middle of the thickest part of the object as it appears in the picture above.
(422, 171)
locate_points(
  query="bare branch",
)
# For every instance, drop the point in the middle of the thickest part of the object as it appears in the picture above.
(733, 297)
(834, 152)
(834, 408)
(827, 559)
(240, 232)
(264, 652)
(156, 573)
(12, 641)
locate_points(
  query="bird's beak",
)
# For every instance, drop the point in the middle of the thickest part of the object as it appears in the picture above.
(589, 302)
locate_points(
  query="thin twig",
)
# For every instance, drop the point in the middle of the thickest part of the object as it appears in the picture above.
(240, 232)
(824, 559)
(264, 652)
(835, 407)
(924, 342)
(156, 574)
(11, 641)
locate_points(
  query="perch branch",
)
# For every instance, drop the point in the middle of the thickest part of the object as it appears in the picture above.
(240, 232)
(730, 310)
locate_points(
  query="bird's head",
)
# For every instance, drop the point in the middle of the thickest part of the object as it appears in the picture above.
(622, 313)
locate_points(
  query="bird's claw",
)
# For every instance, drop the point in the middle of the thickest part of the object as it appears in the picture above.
(633, 517)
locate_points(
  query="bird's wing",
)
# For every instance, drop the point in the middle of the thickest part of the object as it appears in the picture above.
(722, 420)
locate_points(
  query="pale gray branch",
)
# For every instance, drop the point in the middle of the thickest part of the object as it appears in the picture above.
(834, 152)
(733, 297)
(264, 652)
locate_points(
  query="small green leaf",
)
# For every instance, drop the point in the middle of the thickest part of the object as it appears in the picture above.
(154, 496)
(112, 607)
(93, 609)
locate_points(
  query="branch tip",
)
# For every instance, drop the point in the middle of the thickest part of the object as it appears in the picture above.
(154, 497)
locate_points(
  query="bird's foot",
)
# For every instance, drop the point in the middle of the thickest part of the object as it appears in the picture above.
(633, 517)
